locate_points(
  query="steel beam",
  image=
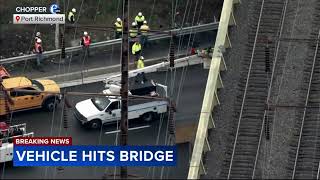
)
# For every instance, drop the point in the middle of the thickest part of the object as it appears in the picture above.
(196, 164)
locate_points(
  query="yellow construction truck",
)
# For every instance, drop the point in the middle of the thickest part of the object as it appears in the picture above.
(22, 93)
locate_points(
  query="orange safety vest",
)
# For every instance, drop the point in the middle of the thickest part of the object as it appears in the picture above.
(37, 45)
(86, 41)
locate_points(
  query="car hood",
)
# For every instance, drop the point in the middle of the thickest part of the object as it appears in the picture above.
(87, 108)
(49, 85)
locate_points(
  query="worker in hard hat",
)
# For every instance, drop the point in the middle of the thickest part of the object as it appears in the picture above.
(144, 29)
(140, 63)
(139, 19)
(85, 43)
(133, 32)
(140, 76)
(136, 50)
(38, 50)
(71, 15)
(38, 36)
(118, 26)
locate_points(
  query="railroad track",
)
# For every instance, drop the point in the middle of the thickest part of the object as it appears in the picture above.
(254, 86)
(304, 155)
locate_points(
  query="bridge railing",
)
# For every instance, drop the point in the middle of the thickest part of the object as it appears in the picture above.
(152, 37)
(201, 144)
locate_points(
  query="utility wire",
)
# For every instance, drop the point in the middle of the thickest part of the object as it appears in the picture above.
(173, 74)
(97, 10)
(185, 68)
(23, 72)
(119, 3)
(54, 109)
(166, 81)
(59, 68)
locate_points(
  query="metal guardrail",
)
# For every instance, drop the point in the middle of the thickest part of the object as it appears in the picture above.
(152, 37)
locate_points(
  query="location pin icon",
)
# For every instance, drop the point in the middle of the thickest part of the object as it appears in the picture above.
(17, 18)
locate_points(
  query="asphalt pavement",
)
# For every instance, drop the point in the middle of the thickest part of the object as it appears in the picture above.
(186, 85)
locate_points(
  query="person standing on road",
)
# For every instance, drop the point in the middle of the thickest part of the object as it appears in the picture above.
(140, 63)
(38, 50)
(38, 36)
(141, 76)
(133, 32)
(136, 50)
(71, 14)
(144, 29)
(118, 25)
(139, 19)
(85, 43)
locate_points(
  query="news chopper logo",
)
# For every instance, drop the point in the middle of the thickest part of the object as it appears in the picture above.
(38, 15)
(54, 9)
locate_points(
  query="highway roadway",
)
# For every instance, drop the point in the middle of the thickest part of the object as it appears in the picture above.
(50, 124)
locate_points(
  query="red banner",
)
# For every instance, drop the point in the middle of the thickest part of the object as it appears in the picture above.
(42, 141)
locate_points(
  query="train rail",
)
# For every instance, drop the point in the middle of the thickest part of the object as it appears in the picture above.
(255, 89)
(304, 155)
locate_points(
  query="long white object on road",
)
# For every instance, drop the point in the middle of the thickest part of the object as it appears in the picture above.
(190, 60)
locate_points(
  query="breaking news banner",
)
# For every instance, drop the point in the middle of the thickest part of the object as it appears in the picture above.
(48, 152)
(42, 141)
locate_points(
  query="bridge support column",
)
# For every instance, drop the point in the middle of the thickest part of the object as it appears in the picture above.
(220, 82)
(203, 169)
(236, 1)
(228, 42)
(211, 125)
(232, 20)
(223, 66)
(210, 98)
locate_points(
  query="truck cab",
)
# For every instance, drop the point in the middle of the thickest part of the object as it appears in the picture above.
(15, 90)
(97, 111)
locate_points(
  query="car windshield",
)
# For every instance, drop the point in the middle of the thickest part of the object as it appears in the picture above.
(100, 102)
(37, 85)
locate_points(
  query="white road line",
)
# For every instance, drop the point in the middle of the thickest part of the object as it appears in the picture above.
(135, 128)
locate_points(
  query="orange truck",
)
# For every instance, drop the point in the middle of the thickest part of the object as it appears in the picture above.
(24, 94)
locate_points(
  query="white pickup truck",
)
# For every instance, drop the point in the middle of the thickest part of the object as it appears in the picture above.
(7, 134)
(97, 111)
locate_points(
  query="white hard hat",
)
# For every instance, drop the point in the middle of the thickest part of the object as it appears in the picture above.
(85, 33)
(39, 40)
(38, 34)
(141, 57)
(118, 19)
(74, 10)
(140, 14)
(134, 24)
(144, 22)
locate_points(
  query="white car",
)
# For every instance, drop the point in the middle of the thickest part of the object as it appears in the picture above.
(97, 111)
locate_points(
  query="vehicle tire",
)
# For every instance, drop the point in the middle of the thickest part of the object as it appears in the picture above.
(95, 124)
(50, 104)
(148, 117)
